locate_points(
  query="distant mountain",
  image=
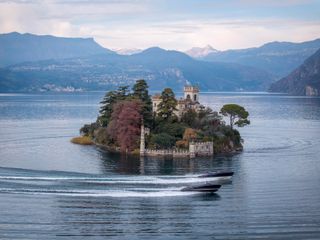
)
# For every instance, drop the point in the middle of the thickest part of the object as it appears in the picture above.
(198, 52)
(277, 58)
(305, 80)
(128, 51)
(46, 63)
(160, 68)
(17, 48)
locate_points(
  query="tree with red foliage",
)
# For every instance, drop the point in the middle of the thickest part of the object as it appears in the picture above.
(124, 127)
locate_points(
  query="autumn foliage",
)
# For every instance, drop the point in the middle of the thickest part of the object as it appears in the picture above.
(124, 127)
(182, 144)
(189, 134)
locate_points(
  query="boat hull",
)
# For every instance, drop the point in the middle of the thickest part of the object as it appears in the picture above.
(206, 188)
(222, 174)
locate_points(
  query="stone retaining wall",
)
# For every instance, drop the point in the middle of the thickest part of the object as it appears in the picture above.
(167, 152)
(195, 149)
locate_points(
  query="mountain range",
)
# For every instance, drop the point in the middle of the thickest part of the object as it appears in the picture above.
(46, 63)
(17, 48)
(277, 58)
(160, 68)
(305, 80)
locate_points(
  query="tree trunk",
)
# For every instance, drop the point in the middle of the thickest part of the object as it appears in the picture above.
(231, 121)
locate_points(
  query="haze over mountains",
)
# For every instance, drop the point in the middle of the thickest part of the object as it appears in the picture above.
(277, 58)
(46, 63)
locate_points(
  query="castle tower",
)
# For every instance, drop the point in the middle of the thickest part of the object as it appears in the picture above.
(142, 141)
(192, 93)
(156, 100)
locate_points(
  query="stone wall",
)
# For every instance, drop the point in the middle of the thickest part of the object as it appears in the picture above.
(167, 152)
(196, 149)
(201, 149)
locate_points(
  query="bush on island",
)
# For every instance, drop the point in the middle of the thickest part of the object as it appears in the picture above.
(162, 141)
(82, 140)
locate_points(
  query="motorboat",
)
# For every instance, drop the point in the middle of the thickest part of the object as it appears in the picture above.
(217, 174)
(206, 188)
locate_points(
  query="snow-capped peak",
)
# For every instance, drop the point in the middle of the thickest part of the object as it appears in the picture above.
(128, 51)
(198, 52)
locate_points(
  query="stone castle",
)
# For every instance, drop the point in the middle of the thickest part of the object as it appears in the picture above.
(189, 101)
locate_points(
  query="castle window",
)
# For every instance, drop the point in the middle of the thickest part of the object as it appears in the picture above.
(155, 105)
(195, 97)
(188, 96)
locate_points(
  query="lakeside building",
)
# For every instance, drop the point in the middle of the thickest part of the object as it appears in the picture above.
(189, 101)
(196, 149)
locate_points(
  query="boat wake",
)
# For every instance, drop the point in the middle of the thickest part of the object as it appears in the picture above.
(97, 186)
(100, 193)
(116, 180)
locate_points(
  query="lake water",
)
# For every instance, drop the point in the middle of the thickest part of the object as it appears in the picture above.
(52, 189)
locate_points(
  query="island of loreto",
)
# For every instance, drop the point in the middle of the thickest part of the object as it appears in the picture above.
(161, 125)
(164, 120)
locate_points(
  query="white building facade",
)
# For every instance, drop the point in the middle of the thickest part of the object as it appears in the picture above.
(189, 101)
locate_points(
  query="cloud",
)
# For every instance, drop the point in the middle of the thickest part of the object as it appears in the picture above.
(145, 23)
(275, 3)
(225, 33)
(64, 18)
(18, 1)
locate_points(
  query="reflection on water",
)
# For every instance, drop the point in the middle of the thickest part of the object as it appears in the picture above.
(123, 164)
(50, 188)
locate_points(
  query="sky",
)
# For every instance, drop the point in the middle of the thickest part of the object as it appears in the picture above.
(170, 24)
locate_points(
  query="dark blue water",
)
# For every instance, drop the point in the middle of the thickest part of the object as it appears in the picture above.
(52, 189)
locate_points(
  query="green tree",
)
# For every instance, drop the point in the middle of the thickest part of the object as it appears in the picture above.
(140, 91)
(88, 129)
(172, 128)
(168, 104)
(190, 118)
(205, 112)
(162, 141)
(236, 113)
(108, 101)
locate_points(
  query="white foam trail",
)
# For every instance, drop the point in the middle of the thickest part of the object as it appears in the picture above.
(47, 178)
(93, 193)
(120, 180)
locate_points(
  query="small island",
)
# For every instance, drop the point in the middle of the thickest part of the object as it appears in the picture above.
(133, 122)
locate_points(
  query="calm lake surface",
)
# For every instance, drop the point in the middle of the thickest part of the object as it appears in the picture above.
(52, 189)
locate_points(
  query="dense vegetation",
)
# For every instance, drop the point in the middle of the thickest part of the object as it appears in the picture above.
(123, 111)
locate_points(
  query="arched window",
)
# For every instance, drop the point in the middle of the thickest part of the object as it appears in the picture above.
(195, 97)
(188, 96)
(155, 104)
